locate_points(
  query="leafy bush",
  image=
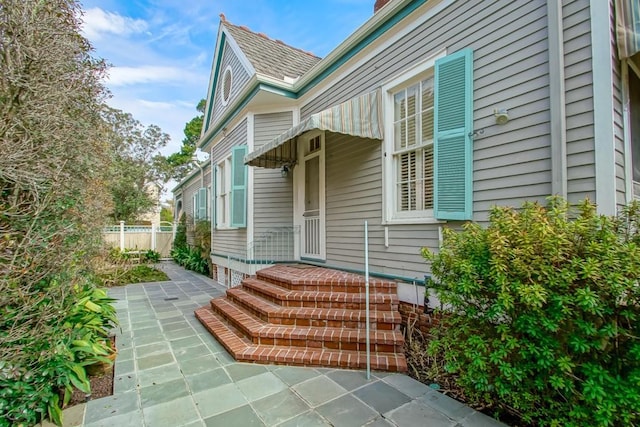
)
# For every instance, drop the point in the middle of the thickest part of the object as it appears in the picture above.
(30, 387)
(545, 313)
(151, 256)
(191, 259)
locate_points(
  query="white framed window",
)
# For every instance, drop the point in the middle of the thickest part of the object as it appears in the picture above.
(428, 155)
(409, 145)
(223, 192)
(412, 151)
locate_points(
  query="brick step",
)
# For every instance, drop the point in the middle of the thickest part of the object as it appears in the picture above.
(302, 316)
(307, 278)
(295, 298)
(241, 350)
(260, 332)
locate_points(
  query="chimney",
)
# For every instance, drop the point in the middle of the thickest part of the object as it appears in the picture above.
(379, 4)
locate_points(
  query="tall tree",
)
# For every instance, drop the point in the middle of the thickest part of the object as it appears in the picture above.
(53, 152)
(181, 163)
(138, 170)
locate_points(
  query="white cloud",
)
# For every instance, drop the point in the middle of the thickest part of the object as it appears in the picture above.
(156, 105)
(124, 76)
(98, 22)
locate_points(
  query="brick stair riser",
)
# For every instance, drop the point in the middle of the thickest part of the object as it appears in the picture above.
(261, 335)
(321, 320)
(232, 321)
(330, 287)
(332, 345)
(329, 323)
(299, 357)
(289, 302)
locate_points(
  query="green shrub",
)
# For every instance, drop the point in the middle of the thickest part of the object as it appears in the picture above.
(545, 313)
(30, 387)
(151, 256)
(191, 259)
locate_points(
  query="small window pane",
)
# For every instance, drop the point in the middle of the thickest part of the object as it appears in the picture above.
(400, 134)
(427, 93)
(412, 100)
(398, 106)
(427, 162)
(427, 126)
(411, 132)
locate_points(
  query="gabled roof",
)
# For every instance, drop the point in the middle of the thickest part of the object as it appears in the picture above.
(270, 57)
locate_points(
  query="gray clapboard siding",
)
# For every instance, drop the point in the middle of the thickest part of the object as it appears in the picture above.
(240, 77)
(236, 136)
(511, 162)
(272, 194)
(579, 100)
(355, 194)
(232, 241)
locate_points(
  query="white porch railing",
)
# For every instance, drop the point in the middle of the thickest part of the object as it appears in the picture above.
(311, 246)
(270, 247)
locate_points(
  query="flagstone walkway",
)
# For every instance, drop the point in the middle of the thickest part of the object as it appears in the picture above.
(171, 372)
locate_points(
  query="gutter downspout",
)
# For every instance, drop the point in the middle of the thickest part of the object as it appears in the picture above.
(557, 99)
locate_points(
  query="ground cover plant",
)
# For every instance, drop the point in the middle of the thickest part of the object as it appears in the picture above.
(542, 313)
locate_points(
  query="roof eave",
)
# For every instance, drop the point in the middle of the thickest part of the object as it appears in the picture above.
(343, 48)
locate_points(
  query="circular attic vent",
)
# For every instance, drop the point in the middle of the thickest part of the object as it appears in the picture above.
(226, 85)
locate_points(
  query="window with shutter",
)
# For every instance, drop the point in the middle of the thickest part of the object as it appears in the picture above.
(239, 174)
(427, 162)
(413, 149)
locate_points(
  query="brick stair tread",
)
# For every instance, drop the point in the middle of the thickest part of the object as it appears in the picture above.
(258, 328)
(241, 350)
(284, 274)
(273, 310)
(285, 294)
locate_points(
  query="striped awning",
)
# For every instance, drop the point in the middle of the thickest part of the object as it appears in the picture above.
(628, 27)
(361, 117)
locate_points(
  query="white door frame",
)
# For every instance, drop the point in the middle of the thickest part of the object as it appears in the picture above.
(299, 195)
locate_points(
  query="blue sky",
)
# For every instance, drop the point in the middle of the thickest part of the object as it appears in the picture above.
(160, 51)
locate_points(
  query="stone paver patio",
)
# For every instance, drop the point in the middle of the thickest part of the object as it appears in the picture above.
(171, 372)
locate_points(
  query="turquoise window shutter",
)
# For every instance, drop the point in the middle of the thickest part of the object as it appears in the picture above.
(202, 203)
(239, 174)
(453, 123)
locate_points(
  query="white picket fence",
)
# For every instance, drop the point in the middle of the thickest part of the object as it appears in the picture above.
(158, 237)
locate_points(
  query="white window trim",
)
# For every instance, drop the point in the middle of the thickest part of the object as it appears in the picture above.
(389, 214)
(224, 166)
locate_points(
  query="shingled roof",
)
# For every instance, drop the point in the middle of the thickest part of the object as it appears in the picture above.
(271, 57)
